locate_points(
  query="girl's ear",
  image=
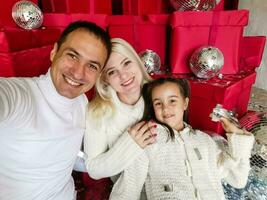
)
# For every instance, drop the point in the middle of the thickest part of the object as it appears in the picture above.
(186, 103)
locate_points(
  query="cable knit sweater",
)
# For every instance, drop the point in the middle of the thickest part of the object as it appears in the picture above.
(109, 147)
(189, 168)
(40, 135)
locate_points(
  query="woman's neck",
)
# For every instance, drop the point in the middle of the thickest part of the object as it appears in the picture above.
(130, 99)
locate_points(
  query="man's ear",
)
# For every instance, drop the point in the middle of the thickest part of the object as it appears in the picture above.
(53, 52)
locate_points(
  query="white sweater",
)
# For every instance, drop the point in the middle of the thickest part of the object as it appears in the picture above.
(40, 136)
(189, 168)
(108, 145)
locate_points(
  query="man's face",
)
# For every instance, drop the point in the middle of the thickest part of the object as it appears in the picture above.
(77, 64)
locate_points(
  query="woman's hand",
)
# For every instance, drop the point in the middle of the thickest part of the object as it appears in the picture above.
(143, 133)
(230, 127)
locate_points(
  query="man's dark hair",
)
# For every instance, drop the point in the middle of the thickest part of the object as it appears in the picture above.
(91, 28)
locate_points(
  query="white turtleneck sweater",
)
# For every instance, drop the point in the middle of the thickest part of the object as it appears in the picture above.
(189, 168)
(40, 136)
(108, 145)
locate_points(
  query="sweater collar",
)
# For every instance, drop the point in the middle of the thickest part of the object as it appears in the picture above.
(139, 105)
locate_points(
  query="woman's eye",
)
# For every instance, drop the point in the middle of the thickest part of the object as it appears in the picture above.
(127, 63)
(157, 104)
(110, 73)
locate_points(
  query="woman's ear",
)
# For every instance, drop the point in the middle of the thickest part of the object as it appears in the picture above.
(186, 103)
(53, 52)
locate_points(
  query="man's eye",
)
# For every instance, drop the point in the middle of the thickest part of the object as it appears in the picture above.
(93, 67)
(73, 56)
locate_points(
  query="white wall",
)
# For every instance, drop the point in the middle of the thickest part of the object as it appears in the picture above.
(257, 26)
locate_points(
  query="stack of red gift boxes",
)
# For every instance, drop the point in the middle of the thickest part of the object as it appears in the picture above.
(146, 24)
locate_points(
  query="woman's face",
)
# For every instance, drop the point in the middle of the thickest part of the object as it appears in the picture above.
(169, 104)
(123, 75)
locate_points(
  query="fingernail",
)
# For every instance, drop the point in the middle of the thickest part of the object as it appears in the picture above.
(155, 135)
(155, 126)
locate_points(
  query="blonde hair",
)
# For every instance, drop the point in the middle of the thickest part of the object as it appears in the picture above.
(102, 104)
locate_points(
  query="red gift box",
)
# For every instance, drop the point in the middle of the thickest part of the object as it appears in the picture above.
(192, 29)
(78, 6)
(61, 20)
(232, 92)
(251, 51)
(26, 63)
(142, 32)
(141, 7)
(96, 189)
(14, 39)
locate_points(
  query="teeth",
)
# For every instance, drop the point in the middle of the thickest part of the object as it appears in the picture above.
(71, 82)
(127, 82)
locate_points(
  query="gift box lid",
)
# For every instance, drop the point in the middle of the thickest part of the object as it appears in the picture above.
(207, 18)
(119, 20)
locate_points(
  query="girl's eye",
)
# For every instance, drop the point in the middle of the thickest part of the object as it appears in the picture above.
(157, 104)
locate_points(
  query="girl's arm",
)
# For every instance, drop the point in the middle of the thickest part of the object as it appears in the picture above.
(235, 165)
(131, 181)
(103, 162)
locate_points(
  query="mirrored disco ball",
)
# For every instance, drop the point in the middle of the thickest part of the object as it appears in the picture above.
(206, 62)
(151, 61)
(256, 188)
(193, 5)
(27, 15)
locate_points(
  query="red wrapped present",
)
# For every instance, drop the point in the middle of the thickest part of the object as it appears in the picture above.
(78, 6)
(96, 189)
(144, 7)
(142, 32)
(62, 20)
(26, 63)
(232, 92)
(192, 29)
(10, 42)
(252, 48)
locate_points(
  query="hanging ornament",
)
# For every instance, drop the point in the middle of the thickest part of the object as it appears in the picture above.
(151, 61)
(206, 62)
(193, 5)
(27, 15)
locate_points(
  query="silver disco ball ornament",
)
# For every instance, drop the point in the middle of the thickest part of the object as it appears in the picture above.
(151, 61)
(206, 62)
(193, 5)
(27, 15)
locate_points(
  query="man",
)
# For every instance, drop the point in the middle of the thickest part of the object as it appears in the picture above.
(42, 119)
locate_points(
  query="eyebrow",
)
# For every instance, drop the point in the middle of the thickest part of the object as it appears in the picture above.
(157, 99)
(77, 53)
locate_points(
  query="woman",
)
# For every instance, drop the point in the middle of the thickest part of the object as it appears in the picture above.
(113, 140)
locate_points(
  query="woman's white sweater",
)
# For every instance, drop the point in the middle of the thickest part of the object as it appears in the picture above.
(109, 147)
(188, 168)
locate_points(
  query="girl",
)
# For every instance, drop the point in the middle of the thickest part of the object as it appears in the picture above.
(184, 163)
(112, 140)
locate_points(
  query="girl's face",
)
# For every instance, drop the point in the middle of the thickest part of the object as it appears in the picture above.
(123, 75)
(169, 104)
